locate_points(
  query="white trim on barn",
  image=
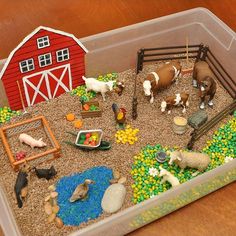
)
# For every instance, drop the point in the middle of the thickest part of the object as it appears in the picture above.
(44, 77)
(31, 35)
(43, 42)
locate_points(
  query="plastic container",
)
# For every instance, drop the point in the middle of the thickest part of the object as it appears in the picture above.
(116, 51)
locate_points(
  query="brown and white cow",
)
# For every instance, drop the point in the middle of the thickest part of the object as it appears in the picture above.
(161, 78)
(179, 99)
(203, 78)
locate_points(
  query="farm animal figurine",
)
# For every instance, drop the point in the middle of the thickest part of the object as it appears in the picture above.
(21, 184)
(161, 78)
(179, 99)
(27, 139)
(199, 161)
(81, 191)
(119, 88)
(203, 78)
(120, 115)
(167, 176)
(45, 173)
(98, 86)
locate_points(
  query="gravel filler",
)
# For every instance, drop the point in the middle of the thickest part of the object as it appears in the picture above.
(154, 127)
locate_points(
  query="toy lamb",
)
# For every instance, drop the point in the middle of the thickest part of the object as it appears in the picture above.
(98, 86)
(199, 161)
(167, 176)
(27, 139)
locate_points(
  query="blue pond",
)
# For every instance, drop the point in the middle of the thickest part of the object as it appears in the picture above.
(81, 211)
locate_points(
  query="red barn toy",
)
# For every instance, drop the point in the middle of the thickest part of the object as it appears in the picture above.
(45, 64)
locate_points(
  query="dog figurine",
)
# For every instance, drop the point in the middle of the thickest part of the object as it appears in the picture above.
(45, 173)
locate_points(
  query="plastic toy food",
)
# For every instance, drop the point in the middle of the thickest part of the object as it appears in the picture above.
(78, 124)
(88, 139)
(86, 107)
(20, 155)
(127, 136)
(70, 117)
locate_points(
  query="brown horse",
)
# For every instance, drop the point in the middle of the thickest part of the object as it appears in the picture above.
(203, 78)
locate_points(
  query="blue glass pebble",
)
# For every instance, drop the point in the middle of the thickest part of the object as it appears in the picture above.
(81, 211)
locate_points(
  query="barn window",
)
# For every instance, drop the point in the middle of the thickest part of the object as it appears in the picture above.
(26, 65)
(43, 42)
(63, 55)
(45, 60)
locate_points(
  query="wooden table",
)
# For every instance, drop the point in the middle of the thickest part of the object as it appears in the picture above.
(211, 215)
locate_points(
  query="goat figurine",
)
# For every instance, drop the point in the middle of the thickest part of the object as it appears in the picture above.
(27, 139)
(98, 86)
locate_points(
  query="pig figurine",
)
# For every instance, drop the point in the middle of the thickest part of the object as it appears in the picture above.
(27, 139)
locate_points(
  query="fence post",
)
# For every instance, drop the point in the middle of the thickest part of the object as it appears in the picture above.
(140, 57)
(192, 140)
(204, 53)
(199, 52)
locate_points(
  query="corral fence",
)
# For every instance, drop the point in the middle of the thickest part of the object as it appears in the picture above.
(197, 52)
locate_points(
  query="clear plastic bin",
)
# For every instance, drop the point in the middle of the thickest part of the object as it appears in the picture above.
(116, 50)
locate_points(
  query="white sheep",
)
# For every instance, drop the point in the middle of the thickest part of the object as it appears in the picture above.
(27, 139)
(167, 176)
(98, 86)
(199, 161)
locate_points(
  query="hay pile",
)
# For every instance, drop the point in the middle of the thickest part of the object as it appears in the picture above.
(154, 128)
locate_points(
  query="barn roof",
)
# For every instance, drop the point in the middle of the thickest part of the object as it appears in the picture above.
(32, 34)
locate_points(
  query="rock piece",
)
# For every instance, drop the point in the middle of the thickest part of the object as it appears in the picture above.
(113, 198)
(113, 181)
(52, 188)
(46, 199)
(51, 218)
(116, 174)
(54, 194)
(122, 180)
(55, 209)
(59, 222)
(48, 208)
(197, 119)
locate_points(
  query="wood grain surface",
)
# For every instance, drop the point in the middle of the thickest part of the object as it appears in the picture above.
(214, 214)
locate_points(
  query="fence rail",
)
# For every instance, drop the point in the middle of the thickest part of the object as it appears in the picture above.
(199, 52)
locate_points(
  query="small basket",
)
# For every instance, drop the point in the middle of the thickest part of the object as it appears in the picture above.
(98, 131)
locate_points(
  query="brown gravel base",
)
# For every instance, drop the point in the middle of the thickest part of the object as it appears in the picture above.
(154, 127)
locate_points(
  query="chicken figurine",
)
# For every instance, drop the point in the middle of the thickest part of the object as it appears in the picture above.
(120, 115)
(81, 191)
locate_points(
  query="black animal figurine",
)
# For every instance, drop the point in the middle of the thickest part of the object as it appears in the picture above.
(45, 173)
(21, 184)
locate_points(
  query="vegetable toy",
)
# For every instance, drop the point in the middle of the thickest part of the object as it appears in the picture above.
(20, 155)
(89, 140)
